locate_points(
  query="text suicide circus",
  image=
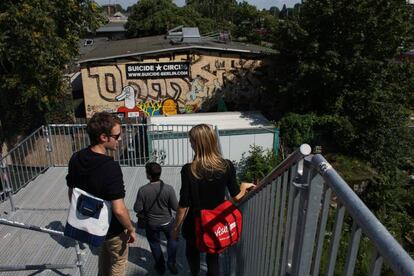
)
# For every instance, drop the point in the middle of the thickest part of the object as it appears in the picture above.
(156, 70)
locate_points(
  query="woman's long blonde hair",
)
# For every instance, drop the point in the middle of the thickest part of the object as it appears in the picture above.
(207, 157)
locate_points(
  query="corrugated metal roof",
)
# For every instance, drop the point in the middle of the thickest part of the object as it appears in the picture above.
(44, 202)
(158, 44)
(112, 27)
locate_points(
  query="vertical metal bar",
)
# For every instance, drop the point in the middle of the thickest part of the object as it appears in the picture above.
(305, 250)
(7, 188)
(273, 249)
(25, 157)
(280, 234)
(264, 223)
(18, 168)
(266, 226)
(336, 236)
(80, 261)
(321, 233)
(376, 263)
(291, 218)
(252, 235)
(271, 228)
(253, 250)
(14, 173)
(48, 146)
(352, 250)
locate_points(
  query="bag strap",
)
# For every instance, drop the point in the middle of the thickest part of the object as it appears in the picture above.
(158, 195)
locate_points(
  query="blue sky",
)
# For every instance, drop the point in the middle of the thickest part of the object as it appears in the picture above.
(261, 4)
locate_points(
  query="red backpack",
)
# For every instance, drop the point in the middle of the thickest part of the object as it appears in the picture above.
(219, 228)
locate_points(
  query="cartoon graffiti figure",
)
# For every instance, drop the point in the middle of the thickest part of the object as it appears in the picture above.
(197, 86)
(128, 96)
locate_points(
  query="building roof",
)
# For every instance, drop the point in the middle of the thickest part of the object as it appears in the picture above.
(112, 27)
(223, 120)
(158, 44)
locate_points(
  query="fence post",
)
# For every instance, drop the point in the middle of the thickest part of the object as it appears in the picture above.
(131, 148)
(48, 145)
(5, 179)
(80, 261)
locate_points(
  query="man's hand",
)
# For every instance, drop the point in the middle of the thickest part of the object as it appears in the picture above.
(132, 236)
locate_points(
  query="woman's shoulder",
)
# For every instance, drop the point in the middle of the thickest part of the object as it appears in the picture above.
(186, 167)
(229, 163)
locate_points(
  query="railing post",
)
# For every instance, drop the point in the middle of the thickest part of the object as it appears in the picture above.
(308, 220)
(80, 260)
(131, 148)
(7, 187)
(48, 145)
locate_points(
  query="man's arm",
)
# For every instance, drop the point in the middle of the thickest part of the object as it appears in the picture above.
(70, 190)
(121, 213)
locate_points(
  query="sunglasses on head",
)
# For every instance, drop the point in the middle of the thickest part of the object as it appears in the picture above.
(115, 136)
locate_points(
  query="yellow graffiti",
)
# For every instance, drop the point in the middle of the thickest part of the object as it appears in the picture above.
(150, 108)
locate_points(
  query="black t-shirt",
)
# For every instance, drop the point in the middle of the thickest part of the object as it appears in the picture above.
(205, 193)
(99, 175)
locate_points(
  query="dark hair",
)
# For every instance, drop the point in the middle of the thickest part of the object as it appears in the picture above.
(153, 169)
(101, 123)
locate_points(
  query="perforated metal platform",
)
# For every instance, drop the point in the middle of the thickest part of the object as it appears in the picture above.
(44, 202)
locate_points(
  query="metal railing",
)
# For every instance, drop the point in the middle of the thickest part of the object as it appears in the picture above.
(53, 145)
(294, 222)
(139, 143)
(79, 258)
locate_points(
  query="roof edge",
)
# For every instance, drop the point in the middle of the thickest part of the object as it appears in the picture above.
(173, 49)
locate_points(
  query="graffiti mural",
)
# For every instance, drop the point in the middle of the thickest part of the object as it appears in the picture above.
(108, 88)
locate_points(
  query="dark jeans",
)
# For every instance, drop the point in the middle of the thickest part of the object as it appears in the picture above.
(193, 259)
(153, 237)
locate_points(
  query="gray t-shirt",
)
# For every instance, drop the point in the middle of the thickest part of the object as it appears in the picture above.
(160, 212)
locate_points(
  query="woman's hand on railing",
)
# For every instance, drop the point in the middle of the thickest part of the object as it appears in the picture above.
(245, 187)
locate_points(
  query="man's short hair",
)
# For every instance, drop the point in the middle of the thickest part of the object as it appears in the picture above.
(153, 170)
(101, 123)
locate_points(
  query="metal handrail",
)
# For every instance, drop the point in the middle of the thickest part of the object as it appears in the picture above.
(303, 151)
(399, 260)
(16, 147)
(79, 263)
(286, 223)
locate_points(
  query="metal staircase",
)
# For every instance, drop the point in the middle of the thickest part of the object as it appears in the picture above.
(303, 218)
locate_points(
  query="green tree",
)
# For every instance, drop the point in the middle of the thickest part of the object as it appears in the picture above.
(256, 164)
(337, 76)
(154, 17)
(337, 60)
(38, 39)
(221, 10)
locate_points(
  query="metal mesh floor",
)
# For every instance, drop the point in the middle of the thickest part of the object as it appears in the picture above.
(44, 202)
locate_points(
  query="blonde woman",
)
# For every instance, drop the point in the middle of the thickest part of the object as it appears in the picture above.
(203, 186)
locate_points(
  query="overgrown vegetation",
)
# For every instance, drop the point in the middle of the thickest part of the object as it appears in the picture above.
(256, 164)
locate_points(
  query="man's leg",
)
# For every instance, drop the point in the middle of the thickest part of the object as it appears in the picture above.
(113, 259)
(171, 248)
(153, 237)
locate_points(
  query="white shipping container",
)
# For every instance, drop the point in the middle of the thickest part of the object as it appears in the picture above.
(238, 132)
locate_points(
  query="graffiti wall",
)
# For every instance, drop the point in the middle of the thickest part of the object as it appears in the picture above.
(183, 84)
